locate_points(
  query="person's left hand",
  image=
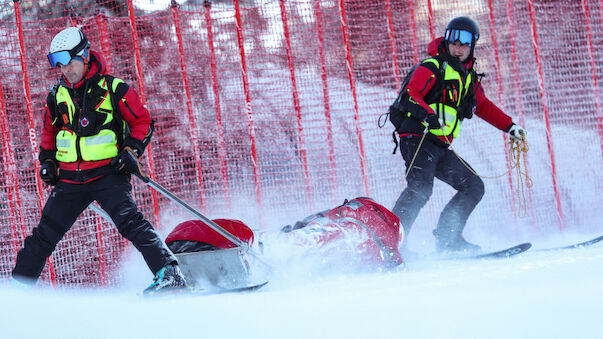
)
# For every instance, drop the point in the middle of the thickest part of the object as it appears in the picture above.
(126, 161)
(517, 132)
(468, 107)
(432, 121)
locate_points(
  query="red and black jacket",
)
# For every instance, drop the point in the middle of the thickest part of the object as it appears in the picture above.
(424, 79)
(131, 110)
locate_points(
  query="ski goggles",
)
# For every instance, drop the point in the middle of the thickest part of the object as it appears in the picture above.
(60, 57)
(65, 56)
(465, 37)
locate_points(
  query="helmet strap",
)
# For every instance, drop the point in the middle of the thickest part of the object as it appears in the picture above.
(86, 60)
(472, 49)
(86, 66)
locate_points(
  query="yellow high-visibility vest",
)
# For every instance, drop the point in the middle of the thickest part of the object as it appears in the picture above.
(102, 145)
(447, 110)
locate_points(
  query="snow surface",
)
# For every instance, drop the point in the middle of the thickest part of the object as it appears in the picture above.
(534, 295)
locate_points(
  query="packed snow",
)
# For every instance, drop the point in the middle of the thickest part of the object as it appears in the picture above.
(534, 295)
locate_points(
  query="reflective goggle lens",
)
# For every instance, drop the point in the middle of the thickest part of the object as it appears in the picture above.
(465, 37)
(62, 57)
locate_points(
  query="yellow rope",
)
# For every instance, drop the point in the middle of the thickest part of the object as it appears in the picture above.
(523, 180)
(416, 152)
(517, 147)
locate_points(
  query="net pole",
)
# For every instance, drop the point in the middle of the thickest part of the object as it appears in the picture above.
(518, 95)
(593, 71)
(350, 68)
(31, 123)
(141, 88)
(219, 123)
(105, 40)
(545, 108)
(254, 155)
(192, 122)
(10, 167)
(430, 19)
(296, 104)
(392, 44)
(325, 99)
(498, 77)
(413, 32)
(433, 215)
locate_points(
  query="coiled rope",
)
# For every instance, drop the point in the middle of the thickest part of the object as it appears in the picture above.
(517, 148)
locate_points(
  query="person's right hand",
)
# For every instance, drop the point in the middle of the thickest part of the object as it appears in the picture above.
(126, 161)
(49, 172)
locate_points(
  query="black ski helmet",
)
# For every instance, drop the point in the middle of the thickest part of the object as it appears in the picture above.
(458, 24)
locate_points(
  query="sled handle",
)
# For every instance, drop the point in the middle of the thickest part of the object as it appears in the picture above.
(206, 220)
(153, 184)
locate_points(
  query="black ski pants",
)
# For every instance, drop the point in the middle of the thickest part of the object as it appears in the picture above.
(435, 161)
(67, 201)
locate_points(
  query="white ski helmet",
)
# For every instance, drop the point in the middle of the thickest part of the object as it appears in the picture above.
(67, 44)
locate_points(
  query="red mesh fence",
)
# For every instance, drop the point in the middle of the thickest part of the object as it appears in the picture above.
(267, 110)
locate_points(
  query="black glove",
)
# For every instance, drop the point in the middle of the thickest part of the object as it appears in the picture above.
(48, 172)
(136, 145)
(432, 121)
(468, 107)
(126, 161)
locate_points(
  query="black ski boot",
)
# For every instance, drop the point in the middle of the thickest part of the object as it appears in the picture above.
(454, 243)
(167, 279)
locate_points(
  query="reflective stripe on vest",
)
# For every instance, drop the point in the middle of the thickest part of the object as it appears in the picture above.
(64, 143)
(100, 146)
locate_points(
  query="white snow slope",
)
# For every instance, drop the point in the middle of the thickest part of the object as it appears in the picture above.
(534, 295)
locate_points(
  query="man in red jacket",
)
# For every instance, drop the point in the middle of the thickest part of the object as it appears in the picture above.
(442, 92)
(95, 128)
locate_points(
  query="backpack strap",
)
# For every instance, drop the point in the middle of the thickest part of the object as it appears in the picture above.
(118, 124)
(469, 102)
(404, 107)
(51, 102)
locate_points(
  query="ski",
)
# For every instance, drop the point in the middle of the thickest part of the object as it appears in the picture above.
(196, 292)
(573, 246)
(240, 289)
(506, 253)
(249, 288)
(500, 254)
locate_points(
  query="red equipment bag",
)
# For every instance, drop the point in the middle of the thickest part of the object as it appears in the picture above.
(372, 228)
(195, 236)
